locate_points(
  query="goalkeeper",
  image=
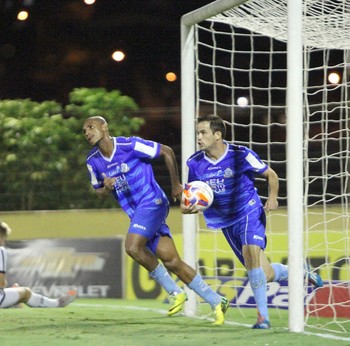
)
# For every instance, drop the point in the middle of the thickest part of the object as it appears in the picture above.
(121, 166)
(12, 296)
(237, 209)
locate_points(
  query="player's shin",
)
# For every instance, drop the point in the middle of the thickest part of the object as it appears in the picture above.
(257, 279)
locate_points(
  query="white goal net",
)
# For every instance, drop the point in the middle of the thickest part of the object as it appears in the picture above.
(234, 64)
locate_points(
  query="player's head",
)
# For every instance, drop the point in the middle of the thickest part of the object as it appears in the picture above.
(94, 129)
(216, 124)
(210, 132)
(5, 230)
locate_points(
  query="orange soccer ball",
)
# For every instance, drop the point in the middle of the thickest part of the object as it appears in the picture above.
(198, 193)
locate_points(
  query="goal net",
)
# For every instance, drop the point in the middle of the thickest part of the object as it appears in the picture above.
(234, 64)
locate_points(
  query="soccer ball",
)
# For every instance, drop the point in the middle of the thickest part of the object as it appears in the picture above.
(198, 193)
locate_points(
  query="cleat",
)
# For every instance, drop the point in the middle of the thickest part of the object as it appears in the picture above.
(219, 311)
(313, 278)
(67, 298)
(262, 323)
(177, 302)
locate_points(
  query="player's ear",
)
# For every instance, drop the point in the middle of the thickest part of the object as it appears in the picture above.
(218, 135)
(105, 127)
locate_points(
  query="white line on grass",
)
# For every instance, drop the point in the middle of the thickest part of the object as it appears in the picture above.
(160, 311)
(165, 312)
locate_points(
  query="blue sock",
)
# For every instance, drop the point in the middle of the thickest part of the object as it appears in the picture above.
(257, 279)
(204, 291)
(281, 272)
(161, 275)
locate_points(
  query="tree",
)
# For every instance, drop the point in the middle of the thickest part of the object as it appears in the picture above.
(42, 160)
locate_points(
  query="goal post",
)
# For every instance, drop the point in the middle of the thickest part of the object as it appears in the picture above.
(294, 116)
(188, 115)
(265, 67)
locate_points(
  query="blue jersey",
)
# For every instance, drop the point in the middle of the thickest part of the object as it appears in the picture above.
(232, 180)
(130, 165)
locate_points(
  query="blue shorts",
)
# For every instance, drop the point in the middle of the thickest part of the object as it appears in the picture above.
(150, 223)
(248, 231)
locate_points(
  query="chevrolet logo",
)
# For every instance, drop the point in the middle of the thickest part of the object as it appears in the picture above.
(55, 262)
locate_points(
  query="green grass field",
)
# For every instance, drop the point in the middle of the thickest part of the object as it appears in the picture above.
(103, 322)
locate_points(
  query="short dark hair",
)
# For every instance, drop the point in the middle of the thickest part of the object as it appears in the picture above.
(216, 123)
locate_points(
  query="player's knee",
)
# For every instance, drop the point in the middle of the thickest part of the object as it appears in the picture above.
(24, 294)
(270, 275)
(130, 251)
(133, 251)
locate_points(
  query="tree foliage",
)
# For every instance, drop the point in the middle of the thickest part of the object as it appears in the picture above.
(43, 150)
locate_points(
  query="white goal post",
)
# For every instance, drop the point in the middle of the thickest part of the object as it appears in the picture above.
(279, 57)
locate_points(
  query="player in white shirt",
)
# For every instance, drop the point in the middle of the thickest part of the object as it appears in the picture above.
(12, 296)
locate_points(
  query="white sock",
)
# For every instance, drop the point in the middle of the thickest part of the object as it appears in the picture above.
(39, 301)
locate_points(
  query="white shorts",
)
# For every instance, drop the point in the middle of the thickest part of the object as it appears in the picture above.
(8, 297)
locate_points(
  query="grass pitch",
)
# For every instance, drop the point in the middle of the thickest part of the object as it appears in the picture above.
(100, 322)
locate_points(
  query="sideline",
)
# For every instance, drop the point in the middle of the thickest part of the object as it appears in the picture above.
(206, 317)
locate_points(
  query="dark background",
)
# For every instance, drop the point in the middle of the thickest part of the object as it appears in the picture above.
(66, 44)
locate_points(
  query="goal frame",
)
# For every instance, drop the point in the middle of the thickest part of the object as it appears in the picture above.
(294, 108)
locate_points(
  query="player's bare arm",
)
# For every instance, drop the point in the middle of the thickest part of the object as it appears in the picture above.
(273, 183)
(171, 165)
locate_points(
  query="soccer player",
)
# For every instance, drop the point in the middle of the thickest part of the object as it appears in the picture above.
(12, 296)
(121, 166)
(237, 209)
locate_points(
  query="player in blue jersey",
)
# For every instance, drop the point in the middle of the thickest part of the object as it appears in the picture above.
(122, 166)
(237, 209)
(15, 295)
